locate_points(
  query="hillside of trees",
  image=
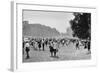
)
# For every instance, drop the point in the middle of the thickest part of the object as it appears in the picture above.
(38, 30)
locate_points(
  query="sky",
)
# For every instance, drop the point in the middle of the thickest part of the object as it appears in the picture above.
(58, 20)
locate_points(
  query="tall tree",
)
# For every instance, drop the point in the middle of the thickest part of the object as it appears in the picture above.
(81, 25)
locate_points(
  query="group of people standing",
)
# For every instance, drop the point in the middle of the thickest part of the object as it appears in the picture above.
(53, 44)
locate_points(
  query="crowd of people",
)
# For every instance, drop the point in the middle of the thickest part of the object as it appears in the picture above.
(53, 45)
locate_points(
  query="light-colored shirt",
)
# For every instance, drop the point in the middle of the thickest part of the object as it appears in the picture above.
(27, 45)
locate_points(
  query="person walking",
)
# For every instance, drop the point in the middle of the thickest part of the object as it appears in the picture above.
(39, 45)
(27, 49)
(51, 50)
(43, 44)
(55, 49)
(77, 45)
(89, 47)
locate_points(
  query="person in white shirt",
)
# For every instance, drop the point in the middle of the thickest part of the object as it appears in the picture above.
(27, 49)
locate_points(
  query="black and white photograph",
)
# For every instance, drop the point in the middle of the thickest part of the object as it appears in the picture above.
(55, 36)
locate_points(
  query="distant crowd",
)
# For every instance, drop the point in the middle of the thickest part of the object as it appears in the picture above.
(53, 43)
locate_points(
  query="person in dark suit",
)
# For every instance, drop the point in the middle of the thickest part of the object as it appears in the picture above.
(51, 50)
(77, 44)
(43, 45)
(89, 44)
(39, 45)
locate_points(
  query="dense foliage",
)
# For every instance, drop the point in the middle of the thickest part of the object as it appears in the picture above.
(81, 25)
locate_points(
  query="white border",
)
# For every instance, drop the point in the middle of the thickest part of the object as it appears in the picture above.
(17, 62)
